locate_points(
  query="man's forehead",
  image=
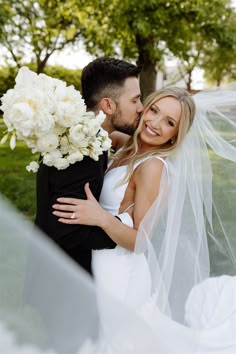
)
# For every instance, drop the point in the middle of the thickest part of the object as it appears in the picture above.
(131, 87)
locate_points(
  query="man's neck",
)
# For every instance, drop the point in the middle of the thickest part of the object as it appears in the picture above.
(106, 125)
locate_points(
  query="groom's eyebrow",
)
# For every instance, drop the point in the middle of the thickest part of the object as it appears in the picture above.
(137, 96)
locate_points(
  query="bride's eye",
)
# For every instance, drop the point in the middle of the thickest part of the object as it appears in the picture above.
(154, 110)
(170, 123)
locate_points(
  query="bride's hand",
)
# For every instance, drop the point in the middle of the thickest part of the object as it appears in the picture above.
(79, 211)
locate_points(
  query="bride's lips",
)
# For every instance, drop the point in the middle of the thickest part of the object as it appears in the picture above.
(150, 131)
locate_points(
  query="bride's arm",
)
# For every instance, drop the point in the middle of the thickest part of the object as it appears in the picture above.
(88, 212)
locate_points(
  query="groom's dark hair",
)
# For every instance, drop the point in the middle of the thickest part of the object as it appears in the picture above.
(105, 77)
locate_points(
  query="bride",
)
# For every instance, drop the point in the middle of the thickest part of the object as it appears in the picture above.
(159, 291)
(132, 181)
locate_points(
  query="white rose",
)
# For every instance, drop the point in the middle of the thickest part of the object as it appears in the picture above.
(100, 117)
(48, 142)
(94, 126)
(49, 158)
(106, 144)
(49, 83)
(61, 163)
(59, 130)
(95, 144)
(33, 166)
(74, 157)
(64, 145)
(77, 137)
(94, 155)
(31, 143)
(70, 106)
(25, 77)
(103, 133)
(45, 122)
(21, 116)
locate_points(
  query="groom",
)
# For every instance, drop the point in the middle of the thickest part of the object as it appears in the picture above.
(110, 85)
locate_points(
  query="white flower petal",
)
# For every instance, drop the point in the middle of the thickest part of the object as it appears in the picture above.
(13, 142)
(33, 166)
(4, 139)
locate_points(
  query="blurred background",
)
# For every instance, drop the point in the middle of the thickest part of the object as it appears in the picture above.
(191, 44)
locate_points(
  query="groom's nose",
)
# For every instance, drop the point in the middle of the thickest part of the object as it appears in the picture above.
(140, 107)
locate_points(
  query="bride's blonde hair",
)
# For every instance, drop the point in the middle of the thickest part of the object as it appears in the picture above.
(130, 152)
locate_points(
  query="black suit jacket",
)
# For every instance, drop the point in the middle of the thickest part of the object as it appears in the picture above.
(76, 240)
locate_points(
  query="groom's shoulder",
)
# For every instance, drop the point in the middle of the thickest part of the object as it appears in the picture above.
(80, 169)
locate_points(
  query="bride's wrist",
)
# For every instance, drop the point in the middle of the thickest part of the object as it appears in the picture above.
(105, 220)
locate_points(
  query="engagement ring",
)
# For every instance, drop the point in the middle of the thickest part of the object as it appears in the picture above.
(73, 216)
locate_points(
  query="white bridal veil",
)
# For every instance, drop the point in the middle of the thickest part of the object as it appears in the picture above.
(48, 305)
(189, 234)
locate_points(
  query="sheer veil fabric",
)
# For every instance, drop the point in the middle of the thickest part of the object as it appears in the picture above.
(189, 234)
(49, 305)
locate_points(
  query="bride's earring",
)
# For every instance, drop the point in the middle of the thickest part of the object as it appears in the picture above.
(172, 141)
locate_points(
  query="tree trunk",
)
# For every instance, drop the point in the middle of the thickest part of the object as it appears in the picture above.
(148, 79)
(149, 73)
(189, 81)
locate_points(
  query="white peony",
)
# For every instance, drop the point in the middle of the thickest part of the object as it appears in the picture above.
(51, 118)
(47, 142)
(33, 166)
(77, 136)
(75, 156)
(70, 106)
(49, 158)
(65, 145)
(27, 112)
(61, 163)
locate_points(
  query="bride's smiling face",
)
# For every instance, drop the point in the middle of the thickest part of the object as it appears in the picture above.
(160, 122)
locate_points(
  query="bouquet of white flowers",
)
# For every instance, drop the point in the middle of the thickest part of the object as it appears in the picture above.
(51, 118)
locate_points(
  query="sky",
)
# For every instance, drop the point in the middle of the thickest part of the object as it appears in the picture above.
(71, 58)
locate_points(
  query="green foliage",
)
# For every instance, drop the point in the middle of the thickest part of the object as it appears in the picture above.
(16, 183)
(7, 78)
(70, 76)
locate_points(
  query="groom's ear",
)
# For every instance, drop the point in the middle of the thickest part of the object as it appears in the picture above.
(108, 106)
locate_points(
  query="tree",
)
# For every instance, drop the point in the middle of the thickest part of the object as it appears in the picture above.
(220, 65)
(36, 29)
(219, 60)
(144, 30)
(213, 48)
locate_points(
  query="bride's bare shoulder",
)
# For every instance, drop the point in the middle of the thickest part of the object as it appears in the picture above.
(150, 169)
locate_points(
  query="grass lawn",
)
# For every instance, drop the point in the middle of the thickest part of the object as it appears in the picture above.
(16, 183)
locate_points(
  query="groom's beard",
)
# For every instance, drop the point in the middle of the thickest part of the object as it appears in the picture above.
(124, 127)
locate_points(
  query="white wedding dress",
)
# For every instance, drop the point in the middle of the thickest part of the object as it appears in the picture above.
(123, 274)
